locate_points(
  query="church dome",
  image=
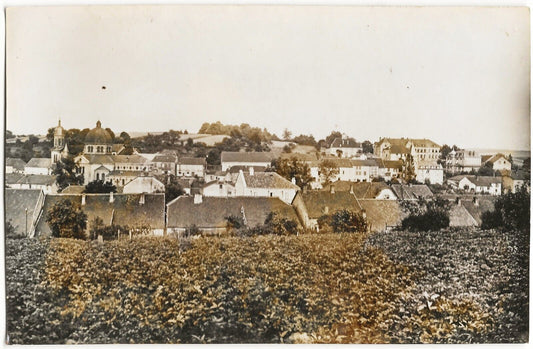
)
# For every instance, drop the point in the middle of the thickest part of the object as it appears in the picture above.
(98, 135)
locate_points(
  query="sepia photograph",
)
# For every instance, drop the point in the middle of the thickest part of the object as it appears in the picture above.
(242, 174)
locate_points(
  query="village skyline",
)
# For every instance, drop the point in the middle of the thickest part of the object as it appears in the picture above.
(452, 75)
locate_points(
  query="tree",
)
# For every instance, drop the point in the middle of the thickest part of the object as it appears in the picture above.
(67, 220)
(99, 186)
(65, 172)
(510, 158)
(511, 212)
(124, 136)
(293, 168)
(275, 224)
(368, 147)
(526, 165)
(286, 134)
(444, 151)
(426, 215)
(332, 136)
(9, 134)
(96, 226)
(328, 170)
(234, 223)
(305, 140)
(346, 221)
(172, 188)
(486, 169)
(410, 175)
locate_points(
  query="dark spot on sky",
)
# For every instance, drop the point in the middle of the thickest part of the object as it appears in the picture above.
(407, 86)
(103, 87)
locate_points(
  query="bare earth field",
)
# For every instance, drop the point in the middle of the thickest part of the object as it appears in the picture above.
(453, 286)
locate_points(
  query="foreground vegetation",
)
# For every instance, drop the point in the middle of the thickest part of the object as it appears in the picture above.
(329, 288)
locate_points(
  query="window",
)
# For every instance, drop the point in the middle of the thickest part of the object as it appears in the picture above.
(220, 186)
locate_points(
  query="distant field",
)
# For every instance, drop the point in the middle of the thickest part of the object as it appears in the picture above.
(446, 287)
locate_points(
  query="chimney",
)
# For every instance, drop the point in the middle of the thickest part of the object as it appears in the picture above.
(83, 199)
(351, 188)
(251, 170)
(141, 200)
(332, 189)
(293, 180)
(111, 197)
(476, 202)
(364, 214)
(458, 201)
(197, 199)
(326, 210)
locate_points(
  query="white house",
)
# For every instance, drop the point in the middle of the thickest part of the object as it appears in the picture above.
(389, 169)
(499, 162)
(45, 183)
(143, 184)
(229, 159)
(481, 184)
(38, 166)
(191, 167)
(265, 184)
(430, 171)
(345, 147)
(463, 160)
(218, 188)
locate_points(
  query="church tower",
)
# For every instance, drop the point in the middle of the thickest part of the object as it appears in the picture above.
(60, 147)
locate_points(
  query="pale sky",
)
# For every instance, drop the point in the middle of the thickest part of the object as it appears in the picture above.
(454, 75)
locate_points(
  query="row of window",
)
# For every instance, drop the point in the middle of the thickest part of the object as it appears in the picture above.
(99, 149)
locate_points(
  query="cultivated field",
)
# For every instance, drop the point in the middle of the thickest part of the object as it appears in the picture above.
(446, 287)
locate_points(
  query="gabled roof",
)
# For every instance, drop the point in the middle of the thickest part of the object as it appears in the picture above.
(345, 143)
(230, 156)
(17, 201)
(460, 217)
(211, 213)
(73, 189)
(164, 158)
(493, 158)
(136, 159)
(13, 178)
(485, 203)
(397, 164)
(268, 180)
(382, 213)
(339, 162)
(191, 161)
(316, 202)
(15, 163)
(369, 190)
(39, 162)
(37, 180)
(411, 192)
(398, 149)
(145, 181)
(299, 156)
(98, 158)
(125, 173)
(368, 163)
(426, 143)
(125, 210)
(484, 181)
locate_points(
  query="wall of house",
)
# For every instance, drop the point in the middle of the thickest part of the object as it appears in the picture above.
(37, 170)
(140, 186)
(227, 165)
(435, 176)
(501, 164)
(189, 170)
(346, 152)
(219, 190)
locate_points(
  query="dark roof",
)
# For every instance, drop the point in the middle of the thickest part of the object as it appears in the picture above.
(230, 156)
(125, 210)
(236, 169)
(299, 156)
(98, 135)
(398, 164)
(345, 143)
(73, 189)
(382, 213)
(39, 162)
(192, 161)
(485, 203)
(17, 200)
(268, 180)
(368, 162)
(398, 149)
(16, 163)
(460, 217)
(211, 213)
(484, 181)
(409, 192)
(164, 158)
(427, 143)
(134, 158)
(12, 178)
(362, 190)
(493, 158)
(125, 173)
(340, 162)
(316, 202)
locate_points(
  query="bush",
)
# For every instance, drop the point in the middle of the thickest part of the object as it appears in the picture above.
(343, 221)
(191, 230)
(511, 212)
(67, 220)
(426, 215)
(274, 224)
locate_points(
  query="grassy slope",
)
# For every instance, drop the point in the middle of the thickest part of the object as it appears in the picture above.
(320, 288)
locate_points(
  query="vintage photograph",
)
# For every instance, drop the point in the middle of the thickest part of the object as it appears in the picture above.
(267, 174)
